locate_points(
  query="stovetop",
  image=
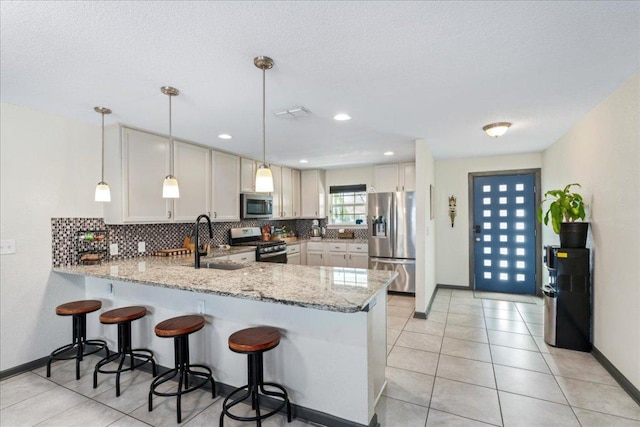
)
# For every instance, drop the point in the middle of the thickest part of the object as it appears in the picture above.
(260, 243)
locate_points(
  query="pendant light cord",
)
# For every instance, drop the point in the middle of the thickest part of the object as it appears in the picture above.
(170, 140)
(102, 175)
(264, 143)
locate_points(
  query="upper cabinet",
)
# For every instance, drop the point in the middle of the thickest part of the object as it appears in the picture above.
(248, 169)
(192, 168)
(312, 194)
(286, 195)
(395, 177)
(295, 193)
(276, 173)
(225, 196)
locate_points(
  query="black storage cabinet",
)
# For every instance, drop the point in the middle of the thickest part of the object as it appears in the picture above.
(568, 299)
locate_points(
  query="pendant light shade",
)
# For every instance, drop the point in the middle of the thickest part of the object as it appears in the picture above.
(264, 178)
(496, 129)
(103, 193)
(170, 187)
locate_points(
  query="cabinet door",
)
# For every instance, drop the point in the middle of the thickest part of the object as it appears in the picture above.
(276, 172)
(145, 159)
(408, 176)
(192, 167)
(386, 178)
(293, 259)
(225, 204)
(358, 260)
(315, 258)
(295, 193)
(286, 194)
(337, 259)
(247, 175)
(243, 257)
(312, 194)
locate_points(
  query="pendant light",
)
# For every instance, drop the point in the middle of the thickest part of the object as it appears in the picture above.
(103, 194)
(264, 178)
(170, 188)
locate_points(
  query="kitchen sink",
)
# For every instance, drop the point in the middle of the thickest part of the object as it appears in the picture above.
(222, 265)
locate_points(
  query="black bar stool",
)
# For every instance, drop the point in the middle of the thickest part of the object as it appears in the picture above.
(123, 318)
(79, 310)
(254, 342)
(179, 328)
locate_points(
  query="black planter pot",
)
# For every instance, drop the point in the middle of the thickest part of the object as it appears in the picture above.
(573, 234)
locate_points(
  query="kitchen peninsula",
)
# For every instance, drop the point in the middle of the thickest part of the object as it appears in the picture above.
(333, 353)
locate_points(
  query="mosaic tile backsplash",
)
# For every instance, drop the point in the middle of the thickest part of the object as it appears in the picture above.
(67, 246)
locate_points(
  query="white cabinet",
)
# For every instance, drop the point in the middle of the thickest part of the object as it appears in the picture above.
(192, 167)
(358, 255)
(315, 253)
(225, 195)
(395, 177)
(295, 193)
(337, 254)
(248, 169)
(243, 257)
(286, 192)
(312, 194)
(293, 254)
(276, 173)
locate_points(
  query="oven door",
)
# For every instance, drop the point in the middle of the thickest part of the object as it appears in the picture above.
(279, 257)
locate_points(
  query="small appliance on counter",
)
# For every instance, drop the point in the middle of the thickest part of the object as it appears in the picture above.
(316, 233)
(266, 251)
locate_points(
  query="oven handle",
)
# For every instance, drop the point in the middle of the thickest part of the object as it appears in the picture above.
(273, 254)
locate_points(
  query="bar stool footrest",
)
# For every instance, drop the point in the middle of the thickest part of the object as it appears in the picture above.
(285, 402)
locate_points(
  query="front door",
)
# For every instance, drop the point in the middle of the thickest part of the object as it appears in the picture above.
(504, 233)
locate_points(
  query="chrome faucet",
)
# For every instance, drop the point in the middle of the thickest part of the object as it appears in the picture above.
(195, 231)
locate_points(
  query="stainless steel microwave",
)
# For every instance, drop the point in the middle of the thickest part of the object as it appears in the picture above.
(256, 206)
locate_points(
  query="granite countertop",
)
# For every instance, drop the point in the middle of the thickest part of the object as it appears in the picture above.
(341, 289)
(229, 250)
(325, 240)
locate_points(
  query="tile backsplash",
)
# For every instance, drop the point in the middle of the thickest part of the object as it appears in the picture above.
(66, 245)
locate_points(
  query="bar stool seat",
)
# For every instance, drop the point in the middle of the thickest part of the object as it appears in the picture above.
(78, 310)
(179, 328)
(123, 318)
(254, 342)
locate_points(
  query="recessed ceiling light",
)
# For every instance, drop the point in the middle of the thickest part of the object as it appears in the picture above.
(388, 153)
(224, 136)
(342, 117)
(496, 129)
(304, 161)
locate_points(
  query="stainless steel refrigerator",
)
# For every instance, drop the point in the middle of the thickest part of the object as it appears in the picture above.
(392, 237)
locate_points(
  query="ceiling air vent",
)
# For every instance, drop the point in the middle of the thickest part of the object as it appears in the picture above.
(293, 113)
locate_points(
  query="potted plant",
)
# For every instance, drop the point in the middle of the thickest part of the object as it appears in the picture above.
(564, 211)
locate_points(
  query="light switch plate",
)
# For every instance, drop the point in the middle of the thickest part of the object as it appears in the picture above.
(7, 247)
(113, 249)
(141, 247)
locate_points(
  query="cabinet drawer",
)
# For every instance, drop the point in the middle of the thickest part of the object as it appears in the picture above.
(243, 257)
(315, 246)
(358, 247)
(293, 249)
(337, 247)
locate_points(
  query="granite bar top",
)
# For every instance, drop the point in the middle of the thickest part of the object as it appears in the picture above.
(229, 250)
(325, 240)
(347, 290)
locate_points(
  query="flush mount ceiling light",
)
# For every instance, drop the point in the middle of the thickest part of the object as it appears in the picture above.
(170, 188)
(264, 178)
(103, 193)
(497, 129)
(388, 153)
(341, 117)
(224, 136)
(304, 161)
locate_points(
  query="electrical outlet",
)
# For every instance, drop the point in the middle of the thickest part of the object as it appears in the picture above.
(113, 249)
(7, 247)
(141, 247)
(201, 308)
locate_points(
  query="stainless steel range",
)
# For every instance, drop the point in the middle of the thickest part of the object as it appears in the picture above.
(267, 251)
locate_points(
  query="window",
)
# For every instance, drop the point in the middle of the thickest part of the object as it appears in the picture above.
(348, 204)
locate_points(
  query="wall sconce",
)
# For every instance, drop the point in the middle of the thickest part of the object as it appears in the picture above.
(452, 209)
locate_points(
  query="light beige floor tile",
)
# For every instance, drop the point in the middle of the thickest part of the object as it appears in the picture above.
(424, 342)
(509, 339)
(523, 411)
(424, 362)
(466, 400)
(532, 308)
(389, 347)
(443, 291)
(396, 322)
(465, 301)
(466, 309)
(466, 370)
(90, 413)
(517, 358)
(211, 417)
(503, 314)
(22, 387)
(437, 316)
(462, 293)
(466, 333)
(532, 317)
(39, 408)
(425, 327)
(506, 325)
(165, 408)
(128, 421)
(134, 391)
(399, 311)
(408, 386)
(402, 301)
(466, 349)
(392, 335)
(546, 348)
(581, 366)
(528, 383)
(106, 382)
(440, 306)
(596, 419)
(604, 398)
(535, 329)
(499, 305)
(466, 320)
(396, 413)
(442, 419)
(63, 371)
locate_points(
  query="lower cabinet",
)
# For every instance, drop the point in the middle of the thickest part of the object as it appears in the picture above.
(293, 254)
(315, 253)
(358, 255)
(241, 257)
(338, 254)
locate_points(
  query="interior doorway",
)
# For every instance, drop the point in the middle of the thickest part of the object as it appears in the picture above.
(505, 237)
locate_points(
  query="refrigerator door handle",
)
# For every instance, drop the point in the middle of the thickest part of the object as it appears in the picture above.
(393, 261)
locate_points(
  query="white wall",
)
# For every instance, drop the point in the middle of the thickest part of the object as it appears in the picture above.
(425, 228)
(452, 244)
(49, 167)
(346, 176)
(602, 153)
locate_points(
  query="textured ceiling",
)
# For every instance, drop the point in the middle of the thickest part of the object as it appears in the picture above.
(436, 71)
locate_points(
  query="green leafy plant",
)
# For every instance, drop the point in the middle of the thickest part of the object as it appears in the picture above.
(565, 206)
